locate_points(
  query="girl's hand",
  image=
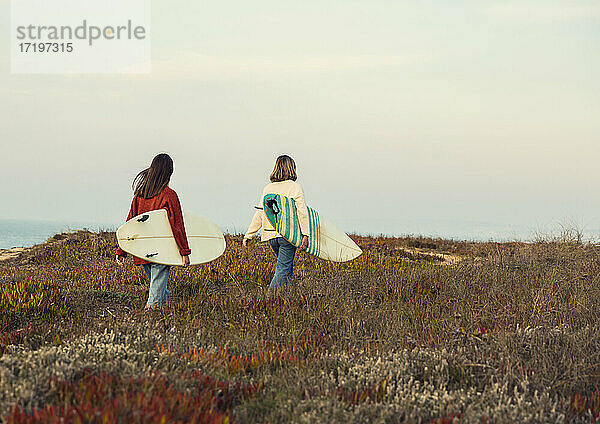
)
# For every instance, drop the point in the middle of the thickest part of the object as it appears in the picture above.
(245, 242)
(186, 260)
(304, 244)
(120, 260)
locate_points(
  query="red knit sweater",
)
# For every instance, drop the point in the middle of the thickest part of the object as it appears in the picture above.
(167, 199)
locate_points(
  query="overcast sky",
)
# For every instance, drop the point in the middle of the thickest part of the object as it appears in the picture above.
(398, 113)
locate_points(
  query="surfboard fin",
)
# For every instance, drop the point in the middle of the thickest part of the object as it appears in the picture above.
(272, 204)
(144, 218)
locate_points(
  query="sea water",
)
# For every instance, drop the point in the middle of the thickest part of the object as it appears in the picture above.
(20, 233)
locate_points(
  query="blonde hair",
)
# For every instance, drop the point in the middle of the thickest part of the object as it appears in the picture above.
(285, 169)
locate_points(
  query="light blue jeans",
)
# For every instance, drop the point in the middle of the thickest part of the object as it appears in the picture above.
(158, 275)
(284, 271)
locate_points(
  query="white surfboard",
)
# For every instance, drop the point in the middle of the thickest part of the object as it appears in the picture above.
(149, 236)
(335, 244)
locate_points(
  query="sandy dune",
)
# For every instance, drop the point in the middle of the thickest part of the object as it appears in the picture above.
(6, 254)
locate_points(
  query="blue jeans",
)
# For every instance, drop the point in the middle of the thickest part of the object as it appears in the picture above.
(284, 271)
(158, 275)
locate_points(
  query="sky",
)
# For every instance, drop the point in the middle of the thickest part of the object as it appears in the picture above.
(403, 117)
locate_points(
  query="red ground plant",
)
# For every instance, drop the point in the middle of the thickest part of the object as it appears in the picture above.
(106, 398)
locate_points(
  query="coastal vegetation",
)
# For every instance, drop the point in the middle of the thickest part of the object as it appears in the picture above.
(414, 330)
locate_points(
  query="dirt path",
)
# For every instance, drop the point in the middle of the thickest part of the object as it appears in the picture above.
(7, 254)
(447, 258)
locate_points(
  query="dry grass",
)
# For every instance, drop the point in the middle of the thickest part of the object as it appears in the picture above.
(509, 333)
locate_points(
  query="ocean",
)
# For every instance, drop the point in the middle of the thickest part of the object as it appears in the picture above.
(19, 233)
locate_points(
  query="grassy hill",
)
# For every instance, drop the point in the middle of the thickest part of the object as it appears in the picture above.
(414, 330)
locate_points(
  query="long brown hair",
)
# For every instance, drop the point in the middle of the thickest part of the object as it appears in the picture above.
(285, 169)
(151, 181)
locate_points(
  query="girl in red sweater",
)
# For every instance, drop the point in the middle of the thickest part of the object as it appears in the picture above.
(151, 192)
